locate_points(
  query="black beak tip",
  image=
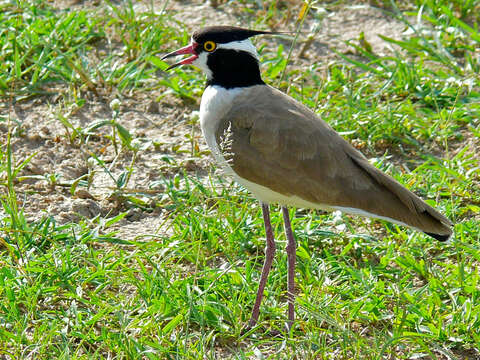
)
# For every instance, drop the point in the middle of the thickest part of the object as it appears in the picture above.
(171, 67)
(166, 56)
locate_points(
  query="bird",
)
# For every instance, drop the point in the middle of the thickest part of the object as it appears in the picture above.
(285, 154)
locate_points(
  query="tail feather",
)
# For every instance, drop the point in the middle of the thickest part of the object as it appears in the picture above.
(415, 213)
(439, 237)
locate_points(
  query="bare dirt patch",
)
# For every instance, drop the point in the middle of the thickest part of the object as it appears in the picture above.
(165, 128)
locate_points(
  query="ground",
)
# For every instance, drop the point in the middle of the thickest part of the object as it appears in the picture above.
(154, 263)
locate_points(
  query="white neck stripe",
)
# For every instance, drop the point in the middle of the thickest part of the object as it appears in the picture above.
(244, 45)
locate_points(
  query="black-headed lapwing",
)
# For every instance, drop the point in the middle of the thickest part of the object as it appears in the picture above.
(284, 153)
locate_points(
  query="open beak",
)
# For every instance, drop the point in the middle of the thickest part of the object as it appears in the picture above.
(189, 49)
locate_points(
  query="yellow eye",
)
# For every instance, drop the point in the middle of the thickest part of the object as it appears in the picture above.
(209, 46)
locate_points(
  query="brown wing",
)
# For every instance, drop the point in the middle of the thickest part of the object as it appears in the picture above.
(277, 142)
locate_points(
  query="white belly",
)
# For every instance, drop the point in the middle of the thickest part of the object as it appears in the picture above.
(267, 196)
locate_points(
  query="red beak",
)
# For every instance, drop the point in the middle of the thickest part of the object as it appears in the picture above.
(189, 49)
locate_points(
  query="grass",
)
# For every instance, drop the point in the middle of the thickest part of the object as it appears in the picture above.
(366, 289)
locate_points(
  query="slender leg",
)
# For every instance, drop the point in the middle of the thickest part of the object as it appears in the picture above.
(269, 255)
(291, 255)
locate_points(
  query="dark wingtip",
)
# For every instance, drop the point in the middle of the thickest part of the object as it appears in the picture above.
(438, 236)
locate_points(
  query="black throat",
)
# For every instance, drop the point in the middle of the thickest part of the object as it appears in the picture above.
(233, 68)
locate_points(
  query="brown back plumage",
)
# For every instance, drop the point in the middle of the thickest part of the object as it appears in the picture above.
(279, 143)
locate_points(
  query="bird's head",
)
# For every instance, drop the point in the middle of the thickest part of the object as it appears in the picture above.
(225, 54)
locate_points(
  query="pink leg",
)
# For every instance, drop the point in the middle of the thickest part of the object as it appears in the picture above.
(269, 255)
(291, 256)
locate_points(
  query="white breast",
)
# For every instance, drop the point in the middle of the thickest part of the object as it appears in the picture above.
(216, 102)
